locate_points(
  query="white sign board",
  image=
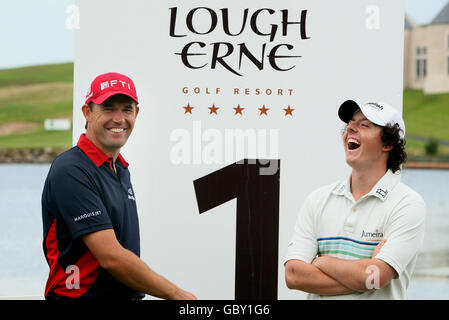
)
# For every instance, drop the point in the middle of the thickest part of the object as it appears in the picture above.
(222, 81)
(57, 124)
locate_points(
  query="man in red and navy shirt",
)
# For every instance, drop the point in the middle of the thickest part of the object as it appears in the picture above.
(91, 229)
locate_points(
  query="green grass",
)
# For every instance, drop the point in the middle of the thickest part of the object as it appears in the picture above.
(416, 148)
(33, 94)
(36, 103)
(426, 115)
(37, 74)
(37, 138)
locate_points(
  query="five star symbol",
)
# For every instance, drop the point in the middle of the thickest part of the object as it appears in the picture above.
(213, 109)
(239, 110)
(288, 111)
(263, 110)
(188, 109)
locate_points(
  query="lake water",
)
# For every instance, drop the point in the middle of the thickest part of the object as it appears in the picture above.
(23, 269)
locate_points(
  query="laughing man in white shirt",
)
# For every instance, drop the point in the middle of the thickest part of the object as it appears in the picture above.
(359, 238)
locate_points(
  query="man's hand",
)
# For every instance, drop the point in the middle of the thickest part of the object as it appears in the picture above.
(129, 269)
(321, 261)
(304, 276)
(184, 295)
(352, 273)
(377, 248)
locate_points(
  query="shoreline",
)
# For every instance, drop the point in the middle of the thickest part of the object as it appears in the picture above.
(30, 155)
(48, 154)
(426, 165)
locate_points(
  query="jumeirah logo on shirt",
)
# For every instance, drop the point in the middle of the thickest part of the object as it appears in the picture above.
(377, 235)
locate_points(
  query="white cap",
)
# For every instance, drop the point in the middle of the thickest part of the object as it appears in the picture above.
(377, 112)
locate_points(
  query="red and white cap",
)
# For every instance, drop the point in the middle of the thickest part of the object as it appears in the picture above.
(377, 112)
(109, 84)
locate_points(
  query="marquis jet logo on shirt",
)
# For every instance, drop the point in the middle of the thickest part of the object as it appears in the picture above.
(87, 215)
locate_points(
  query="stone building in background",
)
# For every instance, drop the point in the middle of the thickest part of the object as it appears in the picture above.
(426, 54)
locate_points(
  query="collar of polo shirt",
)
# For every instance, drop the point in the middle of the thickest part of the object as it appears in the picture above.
(381, 190)
(95, 154)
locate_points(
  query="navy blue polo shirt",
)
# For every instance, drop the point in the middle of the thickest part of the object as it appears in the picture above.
(83, 194)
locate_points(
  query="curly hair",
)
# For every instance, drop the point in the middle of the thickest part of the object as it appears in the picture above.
(397, 155)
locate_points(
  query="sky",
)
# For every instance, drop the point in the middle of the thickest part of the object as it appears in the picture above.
(41, 31)
(424, 11)
(34, 32)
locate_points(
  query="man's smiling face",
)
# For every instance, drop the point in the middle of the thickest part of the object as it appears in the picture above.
(111, 123)
(362, 142)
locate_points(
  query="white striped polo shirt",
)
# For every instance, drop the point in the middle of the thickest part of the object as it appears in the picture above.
(331, 223)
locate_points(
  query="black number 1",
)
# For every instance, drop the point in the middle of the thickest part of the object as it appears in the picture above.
(257, 230)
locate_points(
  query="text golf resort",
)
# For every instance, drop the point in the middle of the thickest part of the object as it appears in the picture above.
(238, 91)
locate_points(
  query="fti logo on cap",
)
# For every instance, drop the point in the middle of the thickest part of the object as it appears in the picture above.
(109, 84)
(112, 83)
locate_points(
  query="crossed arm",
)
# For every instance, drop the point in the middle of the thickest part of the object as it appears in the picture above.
(332, 276)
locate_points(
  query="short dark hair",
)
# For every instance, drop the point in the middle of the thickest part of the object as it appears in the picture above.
(397, 155)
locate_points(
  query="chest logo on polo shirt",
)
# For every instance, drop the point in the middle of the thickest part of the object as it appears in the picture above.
(373, 236)
(131, 194)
